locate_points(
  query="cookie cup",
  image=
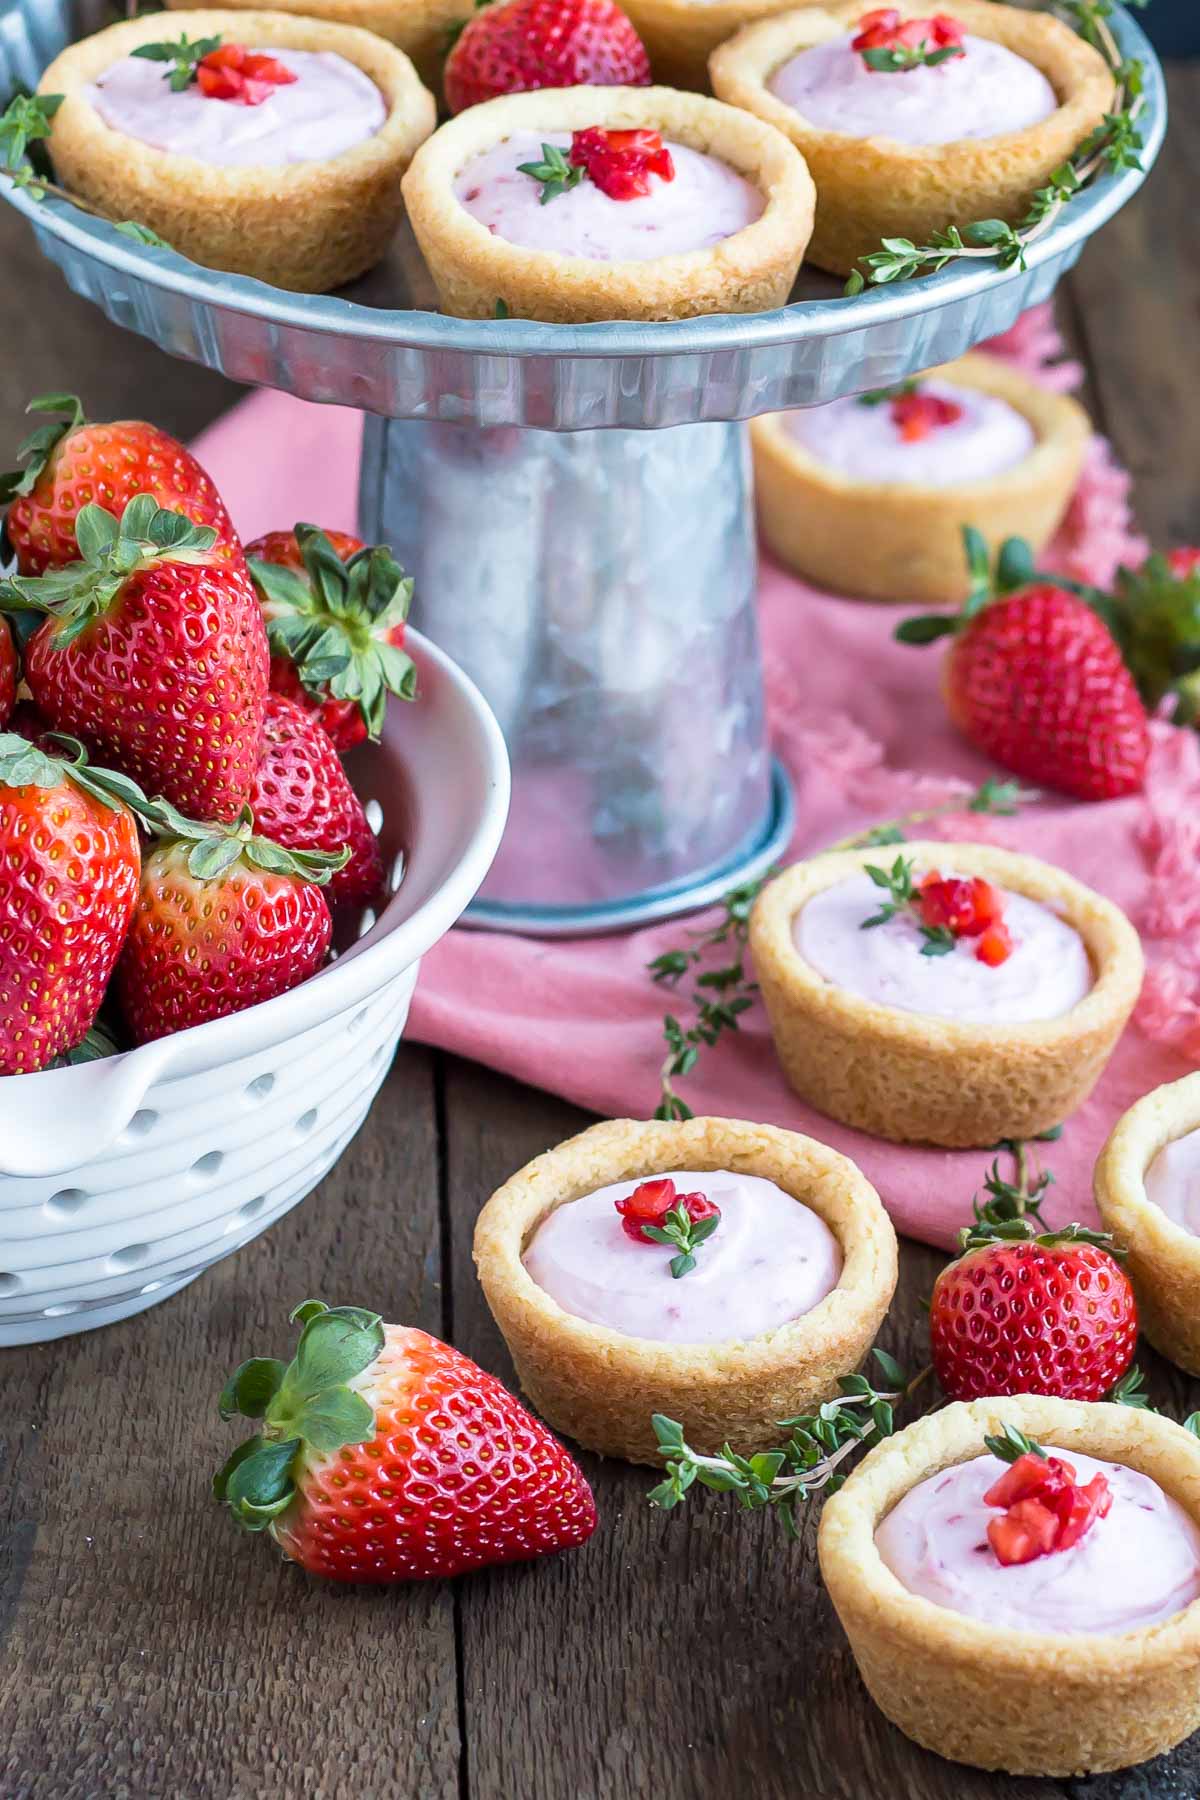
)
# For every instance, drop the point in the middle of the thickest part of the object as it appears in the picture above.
(418, 27)
(681, 35)
(307, 226)
(903, 541)
(600, 1386)
(1162, 1258)
(875, 187)
(917, 1079)
(752, 270)
(1028, 1702)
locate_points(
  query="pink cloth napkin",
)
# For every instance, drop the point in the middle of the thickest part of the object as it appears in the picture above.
(863, 731)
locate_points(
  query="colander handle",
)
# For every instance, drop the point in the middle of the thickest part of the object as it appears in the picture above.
(57, 1122)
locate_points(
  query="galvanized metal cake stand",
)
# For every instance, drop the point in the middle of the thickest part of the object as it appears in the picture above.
(575, 502)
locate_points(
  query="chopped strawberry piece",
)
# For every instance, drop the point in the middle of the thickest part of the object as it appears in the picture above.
(231, 72)
(620, 163)
(1079, 1509)
(698, 1206)
(965, 905)
(1030, 1475)
(995, 946)
(883, 29)
(1027, 1530)
(918, 415)
(651, 1201)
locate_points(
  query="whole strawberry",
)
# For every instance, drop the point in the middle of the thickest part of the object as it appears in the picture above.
(153, 650)
(1021, 1312)
(1035, 679)
(515, 45)
(384, 1455)
(71, 464)
(69, 861)
(223, 920)
(302, 798)
(335, 613)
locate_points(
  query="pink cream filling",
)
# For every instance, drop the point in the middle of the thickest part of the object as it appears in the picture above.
(983, 94)
(1135, 1567)
(705, 203)
(770, 1260)
(865, 442)
(1173, 1181)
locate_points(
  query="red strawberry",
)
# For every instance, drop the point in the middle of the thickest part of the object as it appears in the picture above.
(1034, 678)
(515, 45)
(69, 861)
(153, 651)
(335, 614)
(621, 162)
(1038, 1314)
(71, 464)
(247, 77)
(384, 1455)
(1047, 1508)
(302, 799)
(223, 920)
(10, 672)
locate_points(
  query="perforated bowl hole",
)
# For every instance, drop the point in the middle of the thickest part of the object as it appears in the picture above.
(9, 1284)
(66, 1203)
(207, 1165)
(245, 1214)
(307, 1120)
(61, 1312)
(129, 1258)
(141, 1123)
(152, 1287)
(260, 1087)
(357, 1022)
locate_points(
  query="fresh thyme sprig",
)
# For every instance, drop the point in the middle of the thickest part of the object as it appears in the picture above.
(894, 61)
(184, 56)
(809, 1463)
(897, 883)
(24, 124)
(556, 175)
(880, 396)
(1116, 143)
(1002, 799)
(1010, 1444)
(686, 1233)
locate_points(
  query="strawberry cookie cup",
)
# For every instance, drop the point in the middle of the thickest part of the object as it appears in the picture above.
(1040, 1619)
(869, 495)
(730, 1306)
(420, 28)
(948, 994)
(1148, 1196)
(609, 203)
(905, 140)
(277, 154)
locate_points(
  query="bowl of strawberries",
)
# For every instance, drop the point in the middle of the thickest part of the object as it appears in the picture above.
(223, 853)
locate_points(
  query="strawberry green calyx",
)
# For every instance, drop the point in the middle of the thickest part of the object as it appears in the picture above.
(215, 847)
(41, 444)
(184, 56)
(1015, 569)
(333, 622)
(306, 1404)
(1159, 632)
(23, 764)
(1023, 1231)
(110, 551)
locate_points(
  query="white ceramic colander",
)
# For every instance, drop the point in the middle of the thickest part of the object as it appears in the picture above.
(122, 1180)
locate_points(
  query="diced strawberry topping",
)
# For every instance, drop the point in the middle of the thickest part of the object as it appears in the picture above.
(1046, 1508)
(995, 946)
(247, 77)
(883, 29)
(918, 415)
(651, 1201)
(621, 162)
(967, 906)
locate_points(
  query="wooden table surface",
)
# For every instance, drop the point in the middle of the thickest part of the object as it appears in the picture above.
(150, 1650)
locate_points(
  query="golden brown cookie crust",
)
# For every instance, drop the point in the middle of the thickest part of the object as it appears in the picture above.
(1163, 1259)
(750, 271)
(305, 226)
(420, 28)
(897, 541)
(1029, 1702)
(916, 1079)
(872, 188)
(681, 35)
(600, 1386)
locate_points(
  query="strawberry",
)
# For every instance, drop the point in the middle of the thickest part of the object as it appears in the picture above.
(1035, 679)
(515, 45)
(621, 162)
(71, 464)
(223, 920)
(335, 614)
(384, 1455)
(69, 861)
(1026, 1313)
(1046, 1507)
(302, 799)
(247, 77)
(154, 651)
(10, 672)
